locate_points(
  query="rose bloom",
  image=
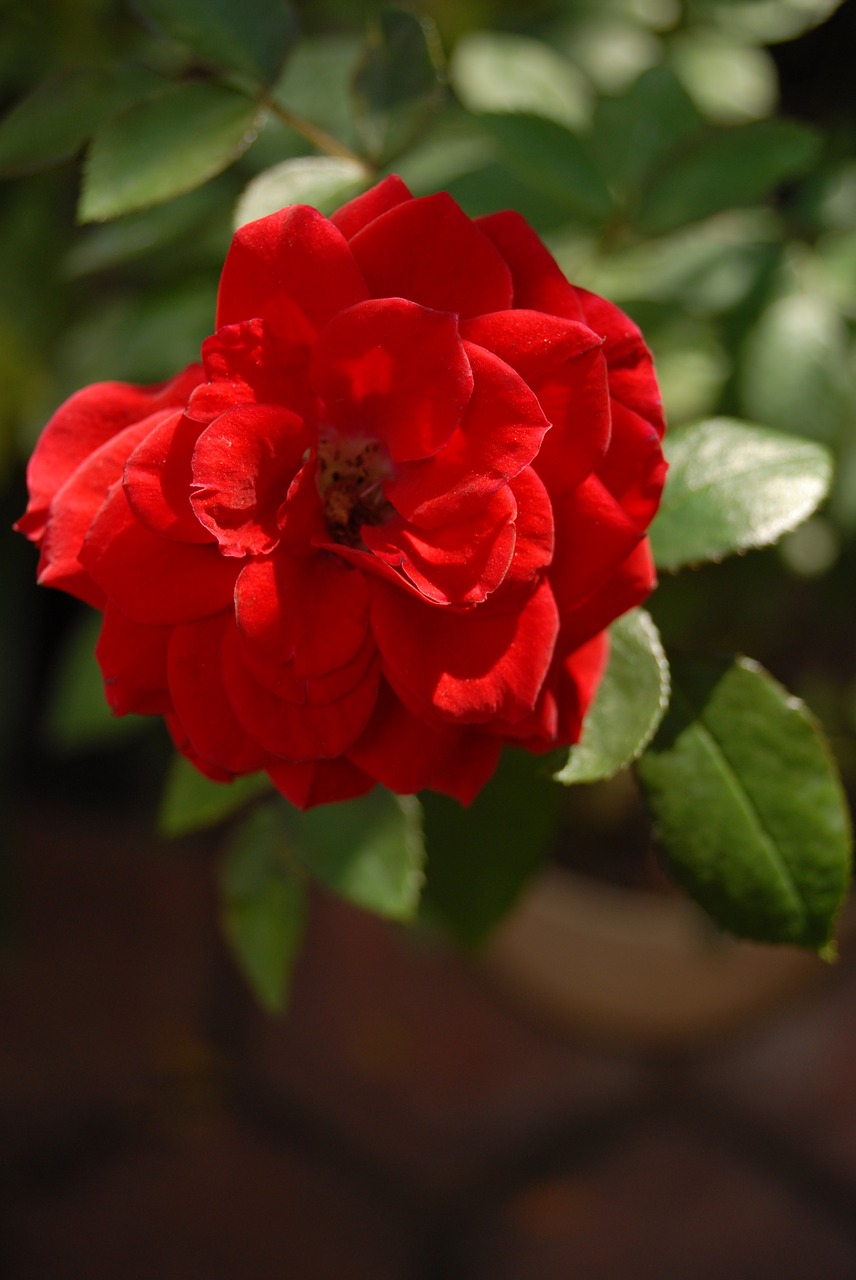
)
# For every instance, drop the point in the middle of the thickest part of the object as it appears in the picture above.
(377, 534)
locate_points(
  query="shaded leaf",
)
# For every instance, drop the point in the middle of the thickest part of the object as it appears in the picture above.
(164, 147)
(732, 486)
(191, 801)
(325, 182)
(316, 83)
(78, 716)
(263, 905)
(480, 858)
(494, 71)
(397, 85)
(368, 850)
(724, 169)
(748, 805)
(103, 247)
(551, 157)
(631, 131)
(253, 37)
(628, 706)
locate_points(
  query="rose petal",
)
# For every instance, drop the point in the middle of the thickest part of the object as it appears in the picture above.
(630, 584)
(400, 750)
(634, 469)
(429, 251)
(539, 283)
(465, 770)
(533, 549)
(296, 732)
(319, 781)
(133, 663)
(577, 403)
(469, 666)
(157, 480)
(183, 744)
(631, 370)
(200, 701)
(392, 370)
(501, 432)
(82, 424)
(294, 269)
(247, 364)
(536, 345)
(458, 563)
(362, 210)
(242, 467)
(153, 579)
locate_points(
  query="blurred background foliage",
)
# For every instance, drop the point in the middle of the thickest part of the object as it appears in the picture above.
(693, 160)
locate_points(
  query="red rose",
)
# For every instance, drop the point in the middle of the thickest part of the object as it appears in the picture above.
(379, 531)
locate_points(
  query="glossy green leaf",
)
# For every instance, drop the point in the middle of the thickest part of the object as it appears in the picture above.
(316, 84)
(724, 169)
(368, 850)
(325, 182)
(749, 809)
(480, 858)
(164, 147)
(628, 706)
(732, 486)
(549, 156)
(191, 801)
(631, 131)
(263, 905)
(251, 36)
(54, 120)
(397, 86)
(78, 716)
(494, 71)
(796, 371)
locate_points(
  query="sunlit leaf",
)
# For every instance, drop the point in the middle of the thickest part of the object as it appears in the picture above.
(493, 71)
(749, 809)
(325, 182)
(628, 706)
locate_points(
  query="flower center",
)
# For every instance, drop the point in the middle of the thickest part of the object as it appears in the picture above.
(351, 472)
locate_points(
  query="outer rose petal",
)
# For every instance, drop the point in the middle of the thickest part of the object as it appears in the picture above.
(242, 467)
(294, 269)
(400, 750)
(153, 580)
(533, 550)
(471, 666)
(634, 469)
(631, 369)
(501, 432)
(319, 781)
(391, 369)
(538, 280)
(200, 701)
(465, 770)
(428, 250)
(183, 744)
(362, 210)
(577, 403)
(536, 345)
(593, 537)
(82, 424)
(133, 663)
(74, 508)
(632, 582)
(157, 480)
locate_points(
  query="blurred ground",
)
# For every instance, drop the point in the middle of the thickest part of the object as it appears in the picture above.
(404, 1122)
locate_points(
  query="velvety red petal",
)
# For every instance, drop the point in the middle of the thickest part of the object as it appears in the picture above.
(634, 469)
(183, 744)
(82, 424)
(132, 659)
(296, 731)
(501, 432)
(316, 691)
(630, 584)
(157, 480)
(319, 781)
(631, 370)
(429, 251)
(577, 403)
(200, 701)
(535, 344)
(401, 751)
(468, 666)
(533, 549)
(153, 579)
(312, 612)
(469, 767)
(458, 563)
(393, 370)
(593, 537)
(75, 507)
(294, 269)
(242, 467)
(246, 363)
(362, 210)
(539, 283)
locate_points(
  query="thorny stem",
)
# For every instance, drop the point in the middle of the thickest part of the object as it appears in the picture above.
(319, 137)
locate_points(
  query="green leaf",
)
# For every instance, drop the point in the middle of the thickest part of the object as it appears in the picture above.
(481, 857)
(165, 146)
(493, 71)
(729, 168)
(796, 368)
(397, 86)
(368, 850)
(550, 157)
(263, 905)
(731, 82)
(732, 486)
(316, 84)
(628, 706)
(325, 182)
(633, 130)
(52, 123)
(252, 37)
(748, 805)
(78, 716)
(190, 801)
(103, 247)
